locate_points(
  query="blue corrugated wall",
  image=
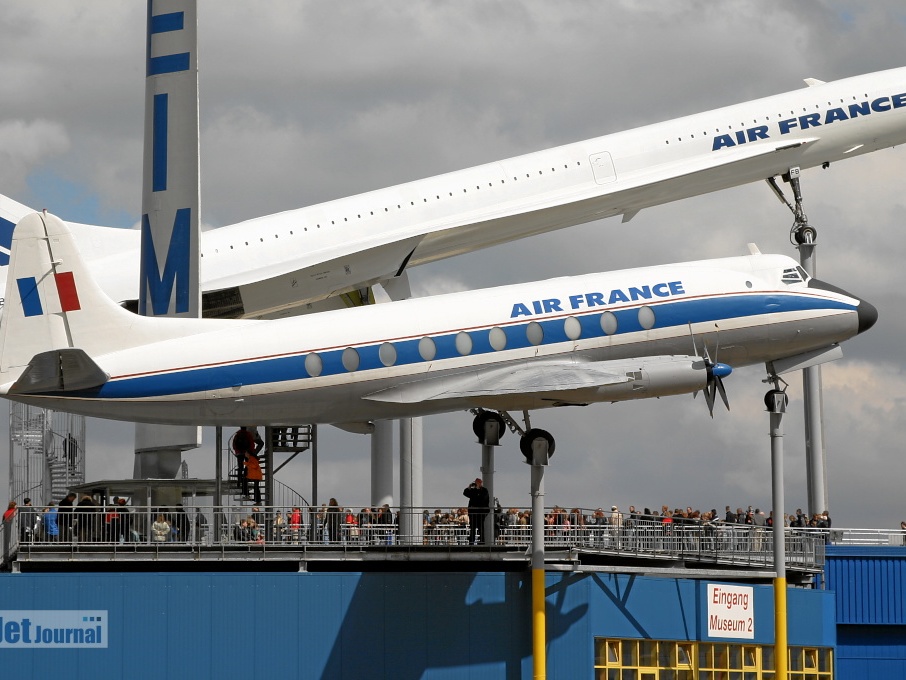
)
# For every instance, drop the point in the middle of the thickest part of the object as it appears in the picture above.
(869, 584)
(376, 625)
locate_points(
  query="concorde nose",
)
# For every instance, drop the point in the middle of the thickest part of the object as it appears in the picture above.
(867, 313)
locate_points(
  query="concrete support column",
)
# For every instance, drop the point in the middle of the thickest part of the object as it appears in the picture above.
(815, 466)
(487, 477)
(411, 485)
(382, 463)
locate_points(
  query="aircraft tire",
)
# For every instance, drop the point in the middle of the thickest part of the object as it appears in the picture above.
(525, 443)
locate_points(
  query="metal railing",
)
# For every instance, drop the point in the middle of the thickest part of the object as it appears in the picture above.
(312, 528)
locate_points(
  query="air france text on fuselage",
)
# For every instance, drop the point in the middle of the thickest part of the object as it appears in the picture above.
(810, 120)
(598, 299)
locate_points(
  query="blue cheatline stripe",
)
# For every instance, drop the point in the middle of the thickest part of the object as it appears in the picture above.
(159, 142)
(28, 293)
(168, 63)
(280, 369)
(164, 23)
(6, 240)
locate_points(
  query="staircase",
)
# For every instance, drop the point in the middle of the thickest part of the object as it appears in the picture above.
(46, 453)
(293, 440)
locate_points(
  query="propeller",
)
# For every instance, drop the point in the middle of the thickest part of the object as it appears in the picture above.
(717, 371)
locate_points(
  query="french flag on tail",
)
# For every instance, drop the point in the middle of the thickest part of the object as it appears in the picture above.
(31, 298)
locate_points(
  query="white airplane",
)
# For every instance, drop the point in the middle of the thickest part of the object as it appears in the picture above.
(280, 264)
(616, 336)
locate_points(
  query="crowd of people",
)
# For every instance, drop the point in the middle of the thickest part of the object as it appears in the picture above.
(87, 521)
(84, 520)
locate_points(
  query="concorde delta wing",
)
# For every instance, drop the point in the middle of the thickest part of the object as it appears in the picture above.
(532, 383)
(268, 292)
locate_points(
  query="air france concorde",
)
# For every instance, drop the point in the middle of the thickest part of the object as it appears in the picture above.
(303, 259)
(629, 334)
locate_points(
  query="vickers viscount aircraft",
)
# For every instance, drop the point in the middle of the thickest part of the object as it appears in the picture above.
(276, 265)
(630, 334)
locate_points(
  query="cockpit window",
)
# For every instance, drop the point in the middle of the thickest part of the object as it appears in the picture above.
(794, 275)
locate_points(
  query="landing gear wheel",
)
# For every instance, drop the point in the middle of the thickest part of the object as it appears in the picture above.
(805, 234)
(525, 443)
(479, 426)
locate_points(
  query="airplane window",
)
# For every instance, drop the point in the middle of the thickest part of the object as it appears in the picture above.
(608, 323)
(497, 339)
(463, 343)
(646, 318)
(534, 333)
(387, 354)
(313, 365)
(427, 349)
(350, 359)
(572, 328)
(803, 273)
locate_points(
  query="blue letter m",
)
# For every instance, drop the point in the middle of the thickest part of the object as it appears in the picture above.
(157, 286)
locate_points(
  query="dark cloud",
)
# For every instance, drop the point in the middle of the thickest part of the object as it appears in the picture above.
(307, 101)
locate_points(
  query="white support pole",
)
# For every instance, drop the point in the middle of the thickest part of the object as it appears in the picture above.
(411, 481)
(816, 473)
(382, 463)
(487, 477)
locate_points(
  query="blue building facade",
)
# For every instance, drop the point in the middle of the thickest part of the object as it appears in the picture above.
(401, 625)
(869, 584)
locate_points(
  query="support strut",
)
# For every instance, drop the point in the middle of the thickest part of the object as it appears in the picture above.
(804, 237)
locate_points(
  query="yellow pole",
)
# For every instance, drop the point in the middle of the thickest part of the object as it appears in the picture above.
(776, 401)
(539, 632)
(780, 628)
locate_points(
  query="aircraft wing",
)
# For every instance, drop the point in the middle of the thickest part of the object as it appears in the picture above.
(566, 381)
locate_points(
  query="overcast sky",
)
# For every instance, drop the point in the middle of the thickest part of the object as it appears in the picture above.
(303, 102)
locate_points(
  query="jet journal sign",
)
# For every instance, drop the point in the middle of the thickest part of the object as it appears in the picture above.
(731, 611)
(53, 628)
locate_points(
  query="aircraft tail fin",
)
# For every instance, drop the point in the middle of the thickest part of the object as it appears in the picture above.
(56, 318)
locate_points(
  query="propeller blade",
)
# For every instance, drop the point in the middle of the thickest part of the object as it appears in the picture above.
(709, 390)
(723, 392)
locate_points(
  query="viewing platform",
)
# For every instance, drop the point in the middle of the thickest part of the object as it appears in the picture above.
(247, 537)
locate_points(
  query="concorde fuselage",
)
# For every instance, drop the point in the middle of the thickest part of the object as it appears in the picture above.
(278, 263)
(617, 174)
